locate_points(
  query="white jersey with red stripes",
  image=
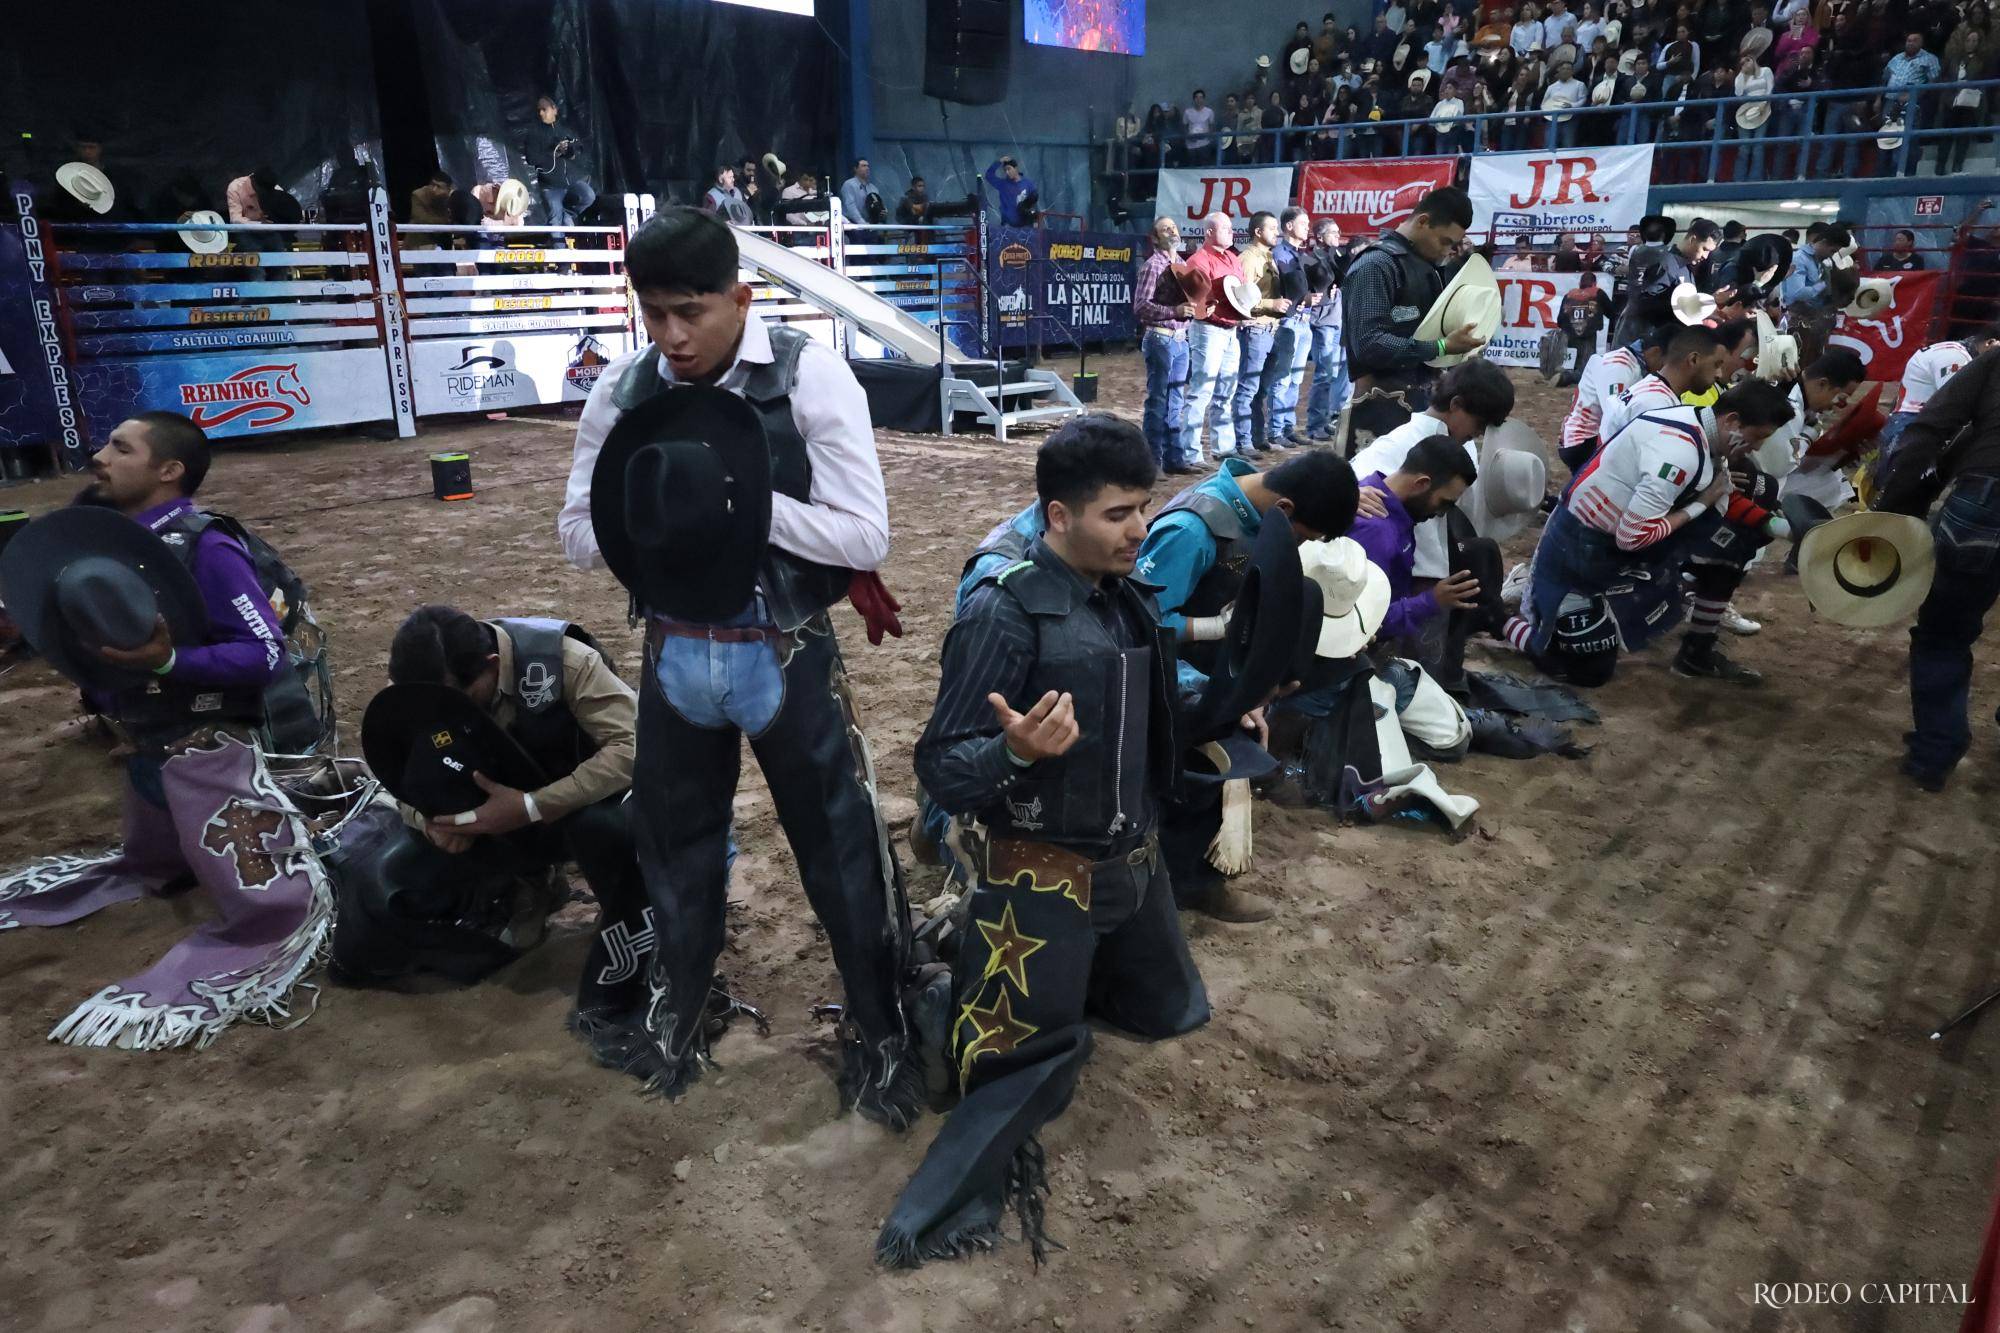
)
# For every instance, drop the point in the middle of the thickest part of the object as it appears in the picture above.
(1927, 372)
(1642, 474)
(1648, 394)
(1605, 376)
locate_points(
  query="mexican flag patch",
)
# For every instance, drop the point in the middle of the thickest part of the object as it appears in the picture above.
(1668, 472)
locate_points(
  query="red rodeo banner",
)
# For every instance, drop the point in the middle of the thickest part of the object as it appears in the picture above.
(1369, 197)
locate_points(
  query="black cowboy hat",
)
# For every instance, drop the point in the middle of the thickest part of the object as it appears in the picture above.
(88, 577)
(1766, 250)
(1245, 759)
(1312, 607)
(1260, 649)
(681, 501)
(426, 741)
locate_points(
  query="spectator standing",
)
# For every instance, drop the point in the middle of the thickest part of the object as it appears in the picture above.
(1327, 47)
(1516, 132)
(1213, 352)
(1198, 125)
(1443, 48)
(1966, 107)
(860, 198)
(1750, 118)
(1799, 35)
(1526, 35)
(1558, 25)
(1902, 256)
(1270, 148)
(1019, 199)
(805, 187)
(1590, 27)
(914, 209)
(1909, 69)
(1566, 259)
(1381, 42)
(1163, 312)
(1325, 265)
(1565, 91)
(724, 199)
(551, 149)
(1796, 77)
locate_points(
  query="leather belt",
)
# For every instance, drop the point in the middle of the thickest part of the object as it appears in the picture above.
(1049, 867)
(1163, 329)
(658, 629)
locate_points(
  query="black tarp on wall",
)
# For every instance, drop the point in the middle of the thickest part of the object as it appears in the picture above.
(662, 90)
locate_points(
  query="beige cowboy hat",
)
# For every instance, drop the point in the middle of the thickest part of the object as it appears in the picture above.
(1868, 569)
(1561, 102)
(1300, 59)
(1471, 297)
(201, 234)
(1563, 55)
(1752, 115)
(1400, 56)
(1263, 62)
(1443, 111)
(510, 200)
(1690, 304)
(1755, 43)
(87, 185)
(1627, 62)
(1777, 353)
(1420, 79)
(1242, 296)
(1612, 32)
(1873, 297)
(1508, 492)
(775, 165)
(1602, 93)
(1513, 436)
(1354, 594)
(1892, 135)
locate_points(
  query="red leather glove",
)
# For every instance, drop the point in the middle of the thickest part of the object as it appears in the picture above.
(878, 608)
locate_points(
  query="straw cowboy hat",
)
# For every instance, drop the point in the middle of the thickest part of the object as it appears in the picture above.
(1614, 30)
(1627, 62)
(775, 165)
(87, 185)
(1892, 135)
(511, 199)
(1755, 43)
(1601, 94)
(1300, 59)
(1400, 56)
(201, 235)
(1777, 353)
(1242, 295)
(1420, 79)
(1868, 569)
(1752, 115)
(1354, 594)
(1509, 491)
(1471, 297)
(1690, 304)
(1873, 297)
(1263, 62)
(1563, 55)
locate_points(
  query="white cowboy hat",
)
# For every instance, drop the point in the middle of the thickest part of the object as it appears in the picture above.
(775, 165)
(87, 185)
(1690, 305)
(1627, 62)
(1755, 43)
(1400, 56)
(1508, 492)
(1601, 94)
(1300, 59)
(1563, 55)
(1867, 569)
(1354, 594)
(1873, 297)
(510, 200)
(1612, 32)
(1752, 114)
(1559, 102)
(1892, 135)
(1263, 62)
(1444, 112)
(201, 236)
(1420, 79)
(1471, 297)
(1513, 436)
(1638, 90)
(1242, 296)
(1777, 353)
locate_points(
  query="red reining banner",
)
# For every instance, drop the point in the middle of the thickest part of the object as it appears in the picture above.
(1888, 340)
(1369, 197)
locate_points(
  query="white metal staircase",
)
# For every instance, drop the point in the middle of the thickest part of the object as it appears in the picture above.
(1021, 396)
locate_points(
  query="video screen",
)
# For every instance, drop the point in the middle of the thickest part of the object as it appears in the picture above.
(1118, 26)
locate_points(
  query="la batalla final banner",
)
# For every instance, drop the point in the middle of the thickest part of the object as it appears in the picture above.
(1050, 287)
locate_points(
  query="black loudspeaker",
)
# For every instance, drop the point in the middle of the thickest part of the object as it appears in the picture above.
(968, 46)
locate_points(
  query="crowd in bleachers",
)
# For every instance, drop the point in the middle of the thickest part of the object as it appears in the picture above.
(1414, 81)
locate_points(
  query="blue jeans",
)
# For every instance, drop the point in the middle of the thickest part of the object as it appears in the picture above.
(1755, 138)
(1166, 395)
(558, 198)
(1212, 361)
(1967, 531)
(1250, 404)
(1285, 371)
(715, 685)
(1891, 435)
(1564, 132)
(1330, 385)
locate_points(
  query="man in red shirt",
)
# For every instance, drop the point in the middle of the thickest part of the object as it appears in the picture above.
(1212, 346)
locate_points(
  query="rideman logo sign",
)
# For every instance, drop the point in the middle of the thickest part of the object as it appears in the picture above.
(1576, 190)
(1189, 194)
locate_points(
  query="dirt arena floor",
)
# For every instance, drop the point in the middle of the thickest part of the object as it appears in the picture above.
(1653, 1035)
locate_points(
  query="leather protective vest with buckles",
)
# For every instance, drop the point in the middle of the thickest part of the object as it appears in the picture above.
(1105, 790)
(543, 723)
(795, 590)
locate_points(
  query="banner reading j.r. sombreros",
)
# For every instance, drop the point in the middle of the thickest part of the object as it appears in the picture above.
(1189, 194)
(1572, 189)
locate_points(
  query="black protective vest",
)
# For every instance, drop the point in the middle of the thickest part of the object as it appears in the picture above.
(1418, 286)
(1106, 789)
(1219, 586)
(795, 590)
(542, 722)
(1004, 540)
(162, 711)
